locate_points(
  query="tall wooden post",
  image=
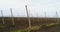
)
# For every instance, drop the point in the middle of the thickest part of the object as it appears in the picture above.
(45, 17)
(32, 17)
(2, 17)
(28, 16)
(57, 19)
(12, 17)
(37, 16)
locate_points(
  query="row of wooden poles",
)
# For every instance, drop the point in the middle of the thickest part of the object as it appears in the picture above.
(11, 15)
(57, 20)
(26, 13)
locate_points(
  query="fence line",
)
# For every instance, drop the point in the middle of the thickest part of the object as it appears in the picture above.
(3, 22)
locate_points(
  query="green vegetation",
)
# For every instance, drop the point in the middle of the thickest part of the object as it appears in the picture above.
(17, 31)
(2, 26)
(37, 27)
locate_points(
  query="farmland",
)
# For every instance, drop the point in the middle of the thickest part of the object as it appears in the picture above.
(22, 23)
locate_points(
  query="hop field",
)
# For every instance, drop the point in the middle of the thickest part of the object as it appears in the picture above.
(38, 25)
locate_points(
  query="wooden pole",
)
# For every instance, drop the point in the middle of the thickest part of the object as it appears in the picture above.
(2, 17)
(12, 17)
(37, 16)
(57, 20)
(45, 17)
(32, 17)
(28, 16)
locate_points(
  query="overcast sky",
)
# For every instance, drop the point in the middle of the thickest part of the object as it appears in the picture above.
(35, 7)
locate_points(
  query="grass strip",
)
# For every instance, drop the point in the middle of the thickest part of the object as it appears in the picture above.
(36, 27)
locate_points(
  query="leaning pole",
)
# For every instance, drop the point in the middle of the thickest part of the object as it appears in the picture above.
(12, 17)
(2, 17)
(28, 17)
